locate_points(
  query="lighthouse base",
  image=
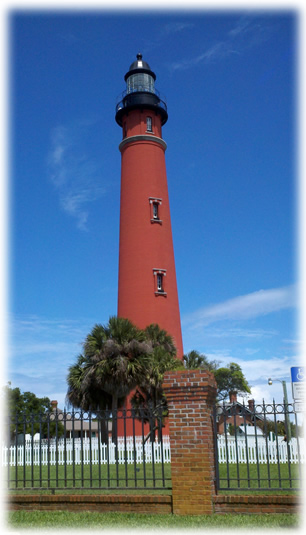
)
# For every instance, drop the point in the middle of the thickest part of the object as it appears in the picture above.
(133, 423)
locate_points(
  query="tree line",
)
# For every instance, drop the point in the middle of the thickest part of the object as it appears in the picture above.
(118, 360)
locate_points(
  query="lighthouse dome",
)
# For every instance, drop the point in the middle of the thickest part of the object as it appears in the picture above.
(140, 92)
(139, 66)
(139, 63)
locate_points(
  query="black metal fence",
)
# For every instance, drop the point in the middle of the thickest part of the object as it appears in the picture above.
(78, 450)
(258, 447)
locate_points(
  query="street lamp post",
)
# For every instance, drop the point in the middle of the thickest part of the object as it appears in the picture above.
(270, 382)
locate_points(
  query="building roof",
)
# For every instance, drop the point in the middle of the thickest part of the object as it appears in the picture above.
(238, 409)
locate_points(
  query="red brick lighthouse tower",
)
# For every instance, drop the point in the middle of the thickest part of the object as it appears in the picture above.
(147, 290)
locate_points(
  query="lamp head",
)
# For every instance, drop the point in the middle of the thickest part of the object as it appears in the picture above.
(270, 382)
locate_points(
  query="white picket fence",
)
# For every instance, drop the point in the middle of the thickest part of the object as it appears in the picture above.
(261, 451)
(91, 451)
(87, 451)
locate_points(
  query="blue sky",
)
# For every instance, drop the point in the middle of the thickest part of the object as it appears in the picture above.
(230, 79)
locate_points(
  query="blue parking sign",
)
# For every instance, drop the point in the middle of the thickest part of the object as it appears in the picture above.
(298, 380)
(298, 374)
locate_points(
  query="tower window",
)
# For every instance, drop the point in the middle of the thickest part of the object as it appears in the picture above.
(155, 210)
(155, 204)
(149, 124)
(160, 281)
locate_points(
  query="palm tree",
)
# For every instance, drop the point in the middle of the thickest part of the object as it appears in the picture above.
(194, 359)
(87, 399)
(160, 338)
(149, 397)
(113, 364)
(77, 396)
(229, 379)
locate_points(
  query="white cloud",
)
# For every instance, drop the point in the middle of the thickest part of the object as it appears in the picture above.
(227, 332)
(247, 32)
(238, 332)
(262, 369)
(40, 352)
(163, 32)
(241, 27)
(42, 349)
(216, 51)
(175, 27)
(259, 303)
(257, 371)
(28, 325)
(74, 170)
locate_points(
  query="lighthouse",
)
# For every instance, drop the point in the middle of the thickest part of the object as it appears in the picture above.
(147, 287)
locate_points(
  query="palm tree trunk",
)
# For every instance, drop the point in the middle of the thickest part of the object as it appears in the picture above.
(114, 417)
(155, 417)
(103, 430)
(152, 424)
(102, 425)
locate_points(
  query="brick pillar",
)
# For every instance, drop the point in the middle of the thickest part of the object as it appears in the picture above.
(190, 396)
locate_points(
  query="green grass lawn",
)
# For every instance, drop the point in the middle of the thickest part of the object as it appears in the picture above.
(122, 479)
(128, 478)
(261, 476)
(62, 519)
(110, 477)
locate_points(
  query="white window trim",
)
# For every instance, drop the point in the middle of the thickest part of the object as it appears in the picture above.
(152, 201)
(163, 273)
